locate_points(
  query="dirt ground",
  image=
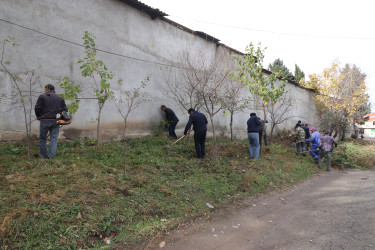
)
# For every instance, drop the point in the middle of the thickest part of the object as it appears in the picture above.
(332, 210)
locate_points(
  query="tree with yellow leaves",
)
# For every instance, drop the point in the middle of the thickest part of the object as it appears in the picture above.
(341, 93)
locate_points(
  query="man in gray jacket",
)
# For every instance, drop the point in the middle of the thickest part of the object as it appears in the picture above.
(326, 148)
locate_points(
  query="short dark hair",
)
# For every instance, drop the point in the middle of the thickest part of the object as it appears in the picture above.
(324, 131)
(253, 114)
(49, 87)
(191, 110)
(163, 106)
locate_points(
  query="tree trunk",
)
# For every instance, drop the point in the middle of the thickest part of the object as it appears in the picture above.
(98, 125)
(231, 126)
(187, 139)
(124, 136)
(264, 125)
(271, 136)
(27, 129)
(343, 133)
(213, 135)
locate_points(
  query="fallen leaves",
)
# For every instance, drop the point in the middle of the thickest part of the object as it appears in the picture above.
(10, 176)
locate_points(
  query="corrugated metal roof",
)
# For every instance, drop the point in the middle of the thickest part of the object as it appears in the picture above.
(154, 13)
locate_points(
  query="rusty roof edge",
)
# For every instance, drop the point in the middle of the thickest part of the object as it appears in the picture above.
(152, 12)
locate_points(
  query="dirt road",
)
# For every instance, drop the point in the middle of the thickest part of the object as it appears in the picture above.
(333, 210)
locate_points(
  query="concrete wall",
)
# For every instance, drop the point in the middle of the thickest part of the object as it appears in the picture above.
(120, 29)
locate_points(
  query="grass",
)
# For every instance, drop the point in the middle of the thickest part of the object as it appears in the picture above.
(84, 198)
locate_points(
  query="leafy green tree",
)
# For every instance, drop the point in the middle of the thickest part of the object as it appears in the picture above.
(298, 74)
(100, 75)
(250, 73)
(71, 91)
(280, 69)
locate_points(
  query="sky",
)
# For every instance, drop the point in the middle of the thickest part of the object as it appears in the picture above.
(310, 34)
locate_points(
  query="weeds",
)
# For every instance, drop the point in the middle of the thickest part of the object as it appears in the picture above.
(84, 199)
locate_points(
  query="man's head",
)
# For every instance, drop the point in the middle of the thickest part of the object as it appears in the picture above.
(163, 107)
(324, 132)
(306, 125)
(191, 111)
(253, 114)
(49, 88)
(312, 130)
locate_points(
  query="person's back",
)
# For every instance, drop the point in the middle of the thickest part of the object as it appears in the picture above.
(315, 138)
(49, 105)
(300, 134)
(170, 115)
(327, 142)
(252, 124)
(307, 132)
(326, 146)
(199, 121)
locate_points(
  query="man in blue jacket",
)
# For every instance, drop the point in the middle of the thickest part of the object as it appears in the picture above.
(47, 110)
(172, 120)
(199, 122)
(252, 132)
(315, 141)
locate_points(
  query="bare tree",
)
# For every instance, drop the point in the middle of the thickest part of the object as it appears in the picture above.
(280, 112)
(209, 74)
(127, 101)
(236, 99)
(180, 90)
(24, 85)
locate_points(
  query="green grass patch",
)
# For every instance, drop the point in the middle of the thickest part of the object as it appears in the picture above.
(85, 198)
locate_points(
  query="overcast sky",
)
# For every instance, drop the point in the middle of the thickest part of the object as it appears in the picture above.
(310, 34)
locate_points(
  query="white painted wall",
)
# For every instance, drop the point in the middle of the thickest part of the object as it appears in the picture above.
(120, 29)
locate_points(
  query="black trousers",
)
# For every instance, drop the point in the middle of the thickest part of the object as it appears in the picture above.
(264, 138)
(199, 140)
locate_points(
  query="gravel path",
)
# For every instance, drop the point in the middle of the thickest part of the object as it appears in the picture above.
(333, 210)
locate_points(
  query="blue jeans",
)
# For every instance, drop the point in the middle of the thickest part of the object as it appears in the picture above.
(53, 129)
(314, 152)
(171, 129)
(200, 139)
(254, 145)
(302, 145)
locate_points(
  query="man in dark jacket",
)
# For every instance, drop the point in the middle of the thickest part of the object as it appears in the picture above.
(307, 136)
(199, 122)
(47, 110)
(252, 131)
(172, 120)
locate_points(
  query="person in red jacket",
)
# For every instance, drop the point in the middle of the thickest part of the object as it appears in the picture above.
(47, 110)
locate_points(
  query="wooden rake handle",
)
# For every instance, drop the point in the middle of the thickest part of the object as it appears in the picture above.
(180, 138)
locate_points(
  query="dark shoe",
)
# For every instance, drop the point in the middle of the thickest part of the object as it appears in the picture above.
(297, 153)
(328, 169)
(304, 154)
